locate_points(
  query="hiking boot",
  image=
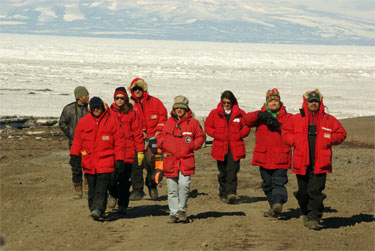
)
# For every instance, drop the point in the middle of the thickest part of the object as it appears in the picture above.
(96, 214)
(153, 193)
(223, 199)
(136, 195)
(111, 202)
(306, 221)
(315, 225)
(172, 219)
(268, 213)
(182, 217)
(121, 210)
(77, 191)
(231, 199)
(277, 208)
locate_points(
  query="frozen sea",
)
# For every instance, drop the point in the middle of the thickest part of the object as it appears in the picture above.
(39, 73)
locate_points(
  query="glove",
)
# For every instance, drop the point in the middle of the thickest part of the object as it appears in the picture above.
(118, 167)
(264, 116)
(140, 157)
(75, 161)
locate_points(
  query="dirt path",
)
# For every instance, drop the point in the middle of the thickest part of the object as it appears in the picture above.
(37, 212)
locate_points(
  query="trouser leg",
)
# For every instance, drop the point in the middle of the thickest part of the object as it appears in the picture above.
(221, 177)
(301, 194)
(232, 168)
(316, 186)
(149, 182)
(91, 181)
(279, 193)
(266, 176)
(137, 176)
(77, 173)
(172, 184)
(98, 188)
(184, 190)
(124, 186)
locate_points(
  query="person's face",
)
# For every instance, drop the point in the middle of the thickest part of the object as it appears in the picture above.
(97, 111)
(313, 105)
(84, 99)
(180, 112)
(274, 105)
(226, 104)
(138, 92)
(120, 100)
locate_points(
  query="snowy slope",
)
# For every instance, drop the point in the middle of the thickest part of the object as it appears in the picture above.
(204, 20)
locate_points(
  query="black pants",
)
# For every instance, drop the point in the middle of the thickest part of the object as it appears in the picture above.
(227, 177)
(273, 185)
(76, 172)
(137, 174)
(309, 195)
(120, 188)
(98, 189)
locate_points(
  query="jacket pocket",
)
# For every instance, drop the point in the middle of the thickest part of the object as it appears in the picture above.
(168, 162)
(188, 163)
(106, 159)
(298, 160)
(260, 154)
(217, 148)
(281, 156)
(239, 149)
(325, 159)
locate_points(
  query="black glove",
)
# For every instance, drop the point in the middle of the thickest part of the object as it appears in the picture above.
(119, 166)
(75, 161)
(269, 120)
(264, 116)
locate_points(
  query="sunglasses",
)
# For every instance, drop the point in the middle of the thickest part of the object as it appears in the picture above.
(137, 88)
(226, 102)
(122, 98)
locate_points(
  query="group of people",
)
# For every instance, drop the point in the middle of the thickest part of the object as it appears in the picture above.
(113, 144)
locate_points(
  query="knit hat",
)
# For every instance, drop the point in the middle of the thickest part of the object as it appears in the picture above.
(96, 102)
(272, 95)
(181, 102)
(80, 91)
(138, 82)
(120, 90)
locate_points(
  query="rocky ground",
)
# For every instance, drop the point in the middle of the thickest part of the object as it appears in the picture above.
(38, 212)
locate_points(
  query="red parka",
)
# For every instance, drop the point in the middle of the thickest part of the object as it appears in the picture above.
(270, 151)
(178, 140)
(329, 132)
(99, 141)
(227, 134)
(132, 130)
(151, 112)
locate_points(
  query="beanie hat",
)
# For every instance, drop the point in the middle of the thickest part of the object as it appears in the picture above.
(138, 82)
(181, 102)
(120, 90)
(96, 102)
(80, 91)
(272, 95)
(313, 95)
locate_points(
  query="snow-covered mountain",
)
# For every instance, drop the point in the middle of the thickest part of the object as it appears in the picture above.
(202, 20)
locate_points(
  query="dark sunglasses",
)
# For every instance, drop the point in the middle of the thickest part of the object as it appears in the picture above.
(137, 88)
(226, 102)
(122, 98)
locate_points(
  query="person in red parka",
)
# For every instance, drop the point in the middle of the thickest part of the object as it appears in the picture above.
(312, 133)
(226, 125)
(134, 149)
(99, 141)
(181, 136)
(152, 115)
(271, 153)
